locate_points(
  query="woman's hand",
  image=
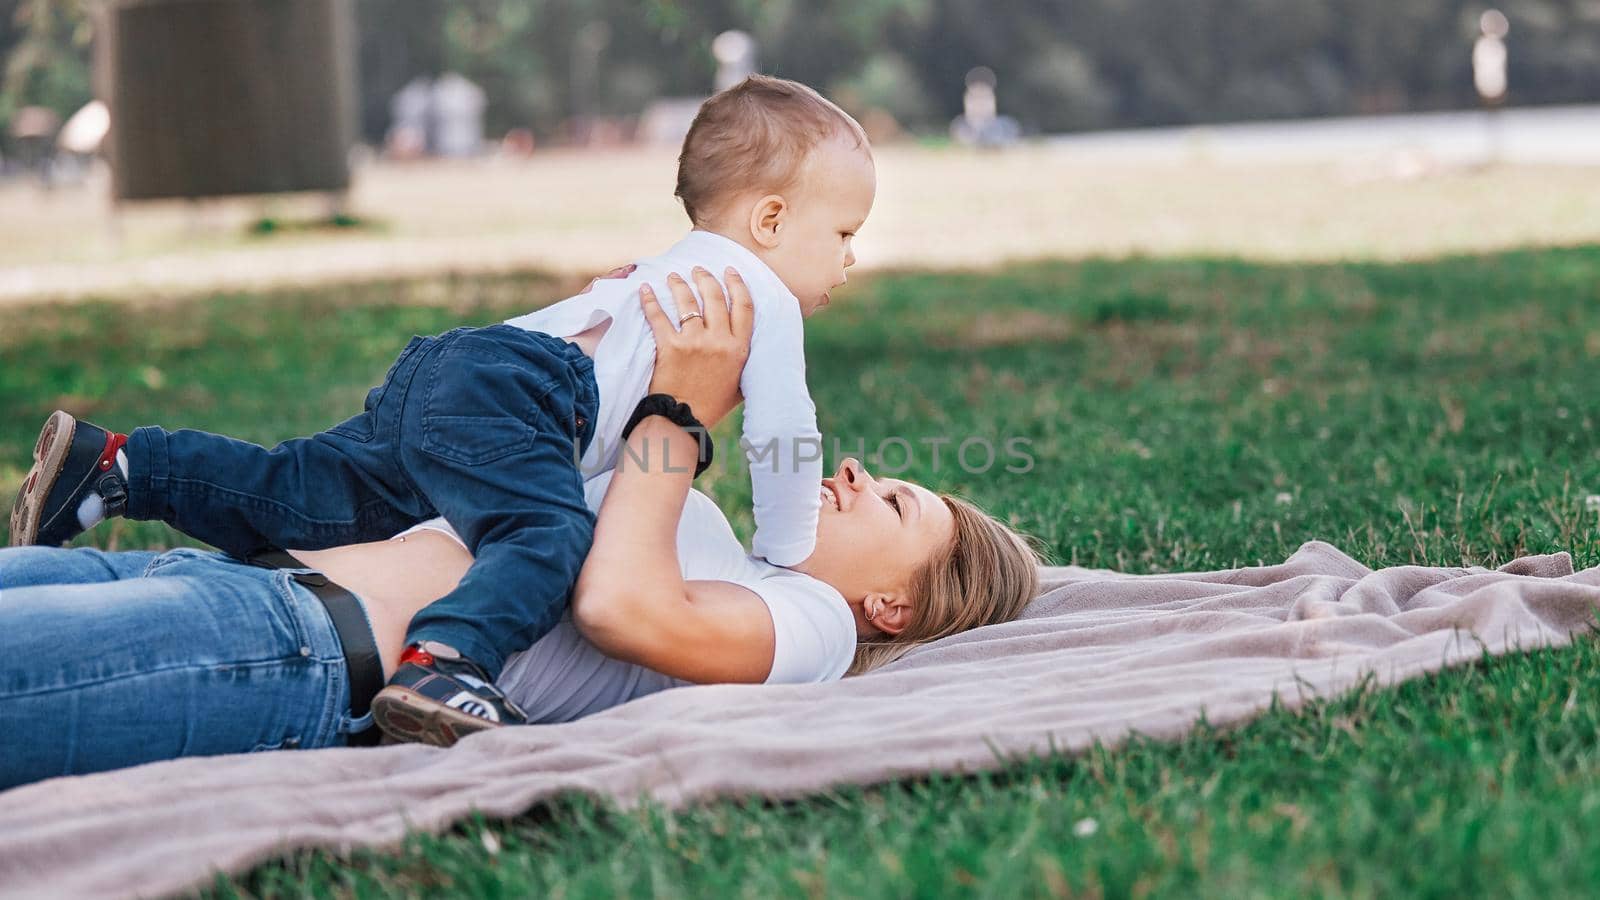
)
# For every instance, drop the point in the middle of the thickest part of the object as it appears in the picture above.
(700, 362)
(618, 272)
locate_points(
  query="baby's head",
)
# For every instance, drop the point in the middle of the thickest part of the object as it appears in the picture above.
(773, 165)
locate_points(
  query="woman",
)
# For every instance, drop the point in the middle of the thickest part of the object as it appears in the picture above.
(114, 659)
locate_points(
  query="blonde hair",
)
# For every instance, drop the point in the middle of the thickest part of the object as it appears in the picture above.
(984, 576)
(754, 136)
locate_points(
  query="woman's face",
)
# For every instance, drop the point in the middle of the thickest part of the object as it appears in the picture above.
(873, 536)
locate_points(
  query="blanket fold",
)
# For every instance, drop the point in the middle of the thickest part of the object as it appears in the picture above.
(1096, 657)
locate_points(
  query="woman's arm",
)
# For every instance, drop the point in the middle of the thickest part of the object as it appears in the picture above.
(631, 600)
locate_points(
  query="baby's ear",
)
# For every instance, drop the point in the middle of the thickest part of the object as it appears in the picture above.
(766, 220)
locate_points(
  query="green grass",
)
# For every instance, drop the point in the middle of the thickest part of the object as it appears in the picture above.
(1182, 415)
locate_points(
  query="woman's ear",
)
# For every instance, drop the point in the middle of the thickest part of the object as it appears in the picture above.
(891, 613)
(766, 221)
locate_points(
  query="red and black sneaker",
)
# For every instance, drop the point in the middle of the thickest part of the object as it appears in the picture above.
(71, 460)
(437, 696)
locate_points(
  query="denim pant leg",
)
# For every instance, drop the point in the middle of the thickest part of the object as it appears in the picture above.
(340, 486)
(503, 418)
(199, 655)
(22, 567)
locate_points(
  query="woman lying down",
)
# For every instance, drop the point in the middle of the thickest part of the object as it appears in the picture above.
(111, 659)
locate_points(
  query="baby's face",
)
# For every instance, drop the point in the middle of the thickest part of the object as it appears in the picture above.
(828, 206)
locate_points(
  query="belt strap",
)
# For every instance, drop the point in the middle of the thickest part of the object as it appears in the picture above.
(349, 619)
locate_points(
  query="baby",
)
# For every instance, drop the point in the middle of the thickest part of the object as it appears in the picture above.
(494, 429)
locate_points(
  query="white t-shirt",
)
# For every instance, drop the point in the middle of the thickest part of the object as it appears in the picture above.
(780, 420)
(564, 677)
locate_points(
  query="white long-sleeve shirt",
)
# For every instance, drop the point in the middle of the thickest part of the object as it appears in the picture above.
(780, 421)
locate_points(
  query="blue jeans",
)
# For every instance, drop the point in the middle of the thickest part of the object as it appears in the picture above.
(483, 426)
(115, 659)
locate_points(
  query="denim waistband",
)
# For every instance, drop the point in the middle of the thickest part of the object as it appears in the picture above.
(586, 389)
(323, 636)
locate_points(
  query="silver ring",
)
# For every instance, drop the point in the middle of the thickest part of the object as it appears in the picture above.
(687, 316)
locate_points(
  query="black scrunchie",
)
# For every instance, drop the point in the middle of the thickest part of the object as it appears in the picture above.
(679, 414)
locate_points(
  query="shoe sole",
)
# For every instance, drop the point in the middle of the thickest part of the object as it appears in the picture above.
(408, 716)
(49, 455)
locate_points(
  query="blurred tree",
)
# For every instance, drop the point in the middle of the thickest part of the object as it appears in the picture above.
(1061, 64)
(45, 46)
(400, 40)
(887, 82)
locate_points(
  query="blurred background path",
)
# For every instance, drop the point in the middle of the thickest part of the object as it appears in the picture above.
(1386, 187)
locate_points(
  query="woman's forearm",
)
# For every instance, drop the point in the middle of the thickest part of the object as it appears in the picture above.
(633, 567)
(631, 600)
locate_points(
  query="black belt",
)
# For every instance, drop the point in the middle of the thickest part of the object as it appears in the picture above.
(355, 636)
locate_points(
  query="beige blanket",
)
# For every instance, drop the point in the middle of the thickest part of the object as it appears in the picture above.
(1097, 656)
